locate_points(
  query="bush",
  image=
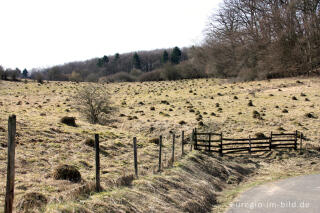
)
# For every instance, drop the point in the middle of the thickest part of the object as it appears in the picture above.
(120, 77)
(39, 78)
(32, 200)
(154, 140)
(151, 76)
(260, 135)
(89, 142)
(70, 121)
(67, 172)
(125, 180)
(136, 72)
(170, 72)
(187, 70)
(93, 102)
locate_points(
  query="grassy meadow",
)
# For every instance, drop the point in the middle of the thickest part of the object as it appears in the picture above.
(146, 111)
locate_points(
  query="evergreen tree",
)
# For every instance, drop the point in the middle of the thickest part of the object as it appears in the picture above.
(116, 57)
(136, 61)
(100, 62)
(105, 59)
(165, 57)
(175, 56)
(25, 73)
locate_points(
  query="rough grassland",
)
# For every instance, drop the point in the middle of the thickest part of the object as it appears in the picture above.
(44, 143)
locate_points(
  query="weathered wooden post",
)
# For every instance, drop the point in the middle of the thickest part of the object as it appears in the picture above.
(195, 139)
(295, 140)
(182, 143)
(301, 136)
(221, 148)
(135, 156)
(160, 150)
(270, 142)
(97, 162)
(209, 142)
(173, 143)
(249, 144)
(192, 140)
(10, 166)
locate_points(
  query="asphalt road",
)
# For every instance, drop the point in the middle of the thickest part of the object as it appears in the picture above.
(297, 194)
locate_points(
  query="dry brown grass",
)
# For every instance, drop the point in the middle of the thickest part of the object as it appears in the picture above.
(44, 143)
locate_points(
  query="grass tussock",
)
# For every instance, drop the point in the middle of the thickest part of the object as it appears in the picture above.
(32, 202)
(70, 121)
(67, 172)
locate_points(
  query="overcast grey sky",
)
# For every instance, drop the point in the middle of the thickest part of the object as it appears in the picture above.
(42, 33)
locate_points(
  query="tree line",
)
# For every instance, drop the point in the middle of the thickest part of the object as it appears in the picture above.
(121, 66)
(258, 39)
(13, 74)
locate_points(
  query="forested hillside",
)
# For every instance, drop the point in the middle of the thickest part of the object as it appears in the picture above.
(127, 66)
(252, 39)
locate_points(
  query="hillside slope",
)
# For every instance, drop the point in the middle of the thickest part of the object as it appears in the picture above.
(44, 143)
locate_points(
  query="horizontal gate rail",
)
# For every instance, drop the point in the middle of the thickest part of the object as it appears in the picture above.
(215, 142)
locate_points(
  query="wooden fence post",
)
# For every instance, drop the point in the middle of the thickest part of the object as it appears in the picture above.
(10, 166)
(195, 139)
(192, 139)
(160, 150)
(221, 148)
(135, 156)
(295, 140)
(249, 144)
(209, 142)
(173, 143)
(270, 142)
(182, 143)
(97, 162)
(301, 141)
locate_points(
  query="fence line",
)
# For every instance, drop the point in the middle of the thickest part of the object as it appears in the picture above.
(211, 142)
(222, 145)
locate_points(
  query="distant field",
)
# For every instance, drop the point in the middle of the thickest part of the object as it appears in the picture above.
(44, 143)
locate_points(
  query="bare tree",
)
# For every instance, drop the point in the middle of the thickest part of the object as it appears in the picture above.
(261, 38)
(93, 102)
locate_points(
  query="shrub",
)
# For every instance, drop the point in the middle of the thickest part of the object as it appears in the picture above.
(154, 140)
(70, 121)
(32, 200)
(182, 122)
(89, 142)
(170, 72)
(260, 135)
(125, 180)
(120, 77)
(187, 70)
(151, 76)
(136, 72)
(39, 78)
(93, 102)
(67, 172)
